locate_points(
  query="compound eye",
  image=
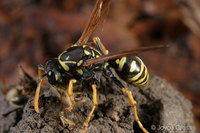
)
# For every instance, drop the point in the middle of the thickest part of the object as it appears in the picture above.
(51, 77)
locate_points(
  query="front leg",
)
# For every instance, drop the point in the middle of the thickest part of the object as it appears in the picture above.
(70, 94)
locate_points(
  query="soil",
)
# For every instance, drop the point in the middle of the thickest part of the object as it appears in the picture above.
(160, 108)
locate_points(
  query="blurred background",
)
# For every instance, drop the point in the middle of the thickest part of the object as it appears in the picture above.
(33, 31)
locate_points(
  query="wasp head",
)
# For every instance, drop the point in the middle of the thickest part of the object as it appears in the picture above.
(53, 72)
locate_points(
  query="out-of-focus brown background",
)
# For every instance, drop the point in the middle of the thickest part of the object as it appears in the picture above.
(33, 31)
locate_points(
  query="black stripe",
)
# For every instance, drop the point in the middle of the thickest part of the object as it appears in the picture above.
(144, 80)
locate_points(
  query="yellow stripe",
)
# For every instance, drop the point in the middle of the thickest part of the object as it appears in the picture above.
(73, 62)
(133, 66)
(142, 79)
(61, 55)
(74, 45)
(145, 82)
(121, 63)
(139, 74)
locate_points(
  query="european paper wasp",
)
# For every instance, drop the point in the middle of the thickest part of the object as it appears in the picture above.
(81, 62)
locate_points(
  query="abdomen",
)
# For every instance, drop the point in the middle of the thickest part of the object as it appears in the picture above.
(131, 69)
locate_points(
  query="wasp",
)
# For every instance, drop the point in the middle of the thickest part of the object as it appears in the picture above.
(82, 62)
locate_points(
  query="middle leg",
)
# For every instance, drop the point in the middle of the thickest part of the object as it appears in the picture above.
(95, 103)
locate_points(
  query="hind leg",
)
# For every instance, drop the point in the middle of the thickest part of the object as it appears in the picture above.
(100, 45)
(132, 102)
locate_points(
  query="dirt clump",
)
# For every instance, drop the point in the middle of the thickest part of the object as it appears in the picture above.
(160, 108)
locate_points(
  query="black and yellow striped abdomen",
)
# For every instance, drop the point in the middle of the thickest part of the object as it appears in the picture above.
(131, 69)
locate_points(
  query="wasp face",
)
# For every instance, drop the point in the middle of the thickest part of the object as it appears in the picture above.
(53, 72)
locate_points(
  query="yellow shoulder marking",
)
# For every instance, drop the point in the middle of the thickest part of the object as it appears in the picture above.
(66, 67)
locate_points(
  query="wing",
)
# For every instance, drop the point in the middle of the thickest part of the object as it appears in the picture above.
(98, 14)
(121, 54)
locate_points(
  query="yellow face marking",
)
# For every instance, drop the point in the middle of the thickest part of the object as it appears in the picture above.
(133, 66)
(56, 76)
(121, 63)
(86, 52)
(106, 64)
(80, 71)
(84, 46)
(117, 61)
(80, 62)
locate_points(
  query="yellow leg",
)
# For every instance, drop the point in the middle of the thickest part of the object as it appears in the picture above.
(40, 72)
(133, 103)
(95, 103)
(98, 42)
(70, 93)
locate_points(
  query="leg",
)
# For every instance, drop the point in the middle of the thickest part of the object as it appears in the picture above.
(132, 102)
(100, 46)
(4, 89)
(40, 72)
(95, 103)
(70, 93)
